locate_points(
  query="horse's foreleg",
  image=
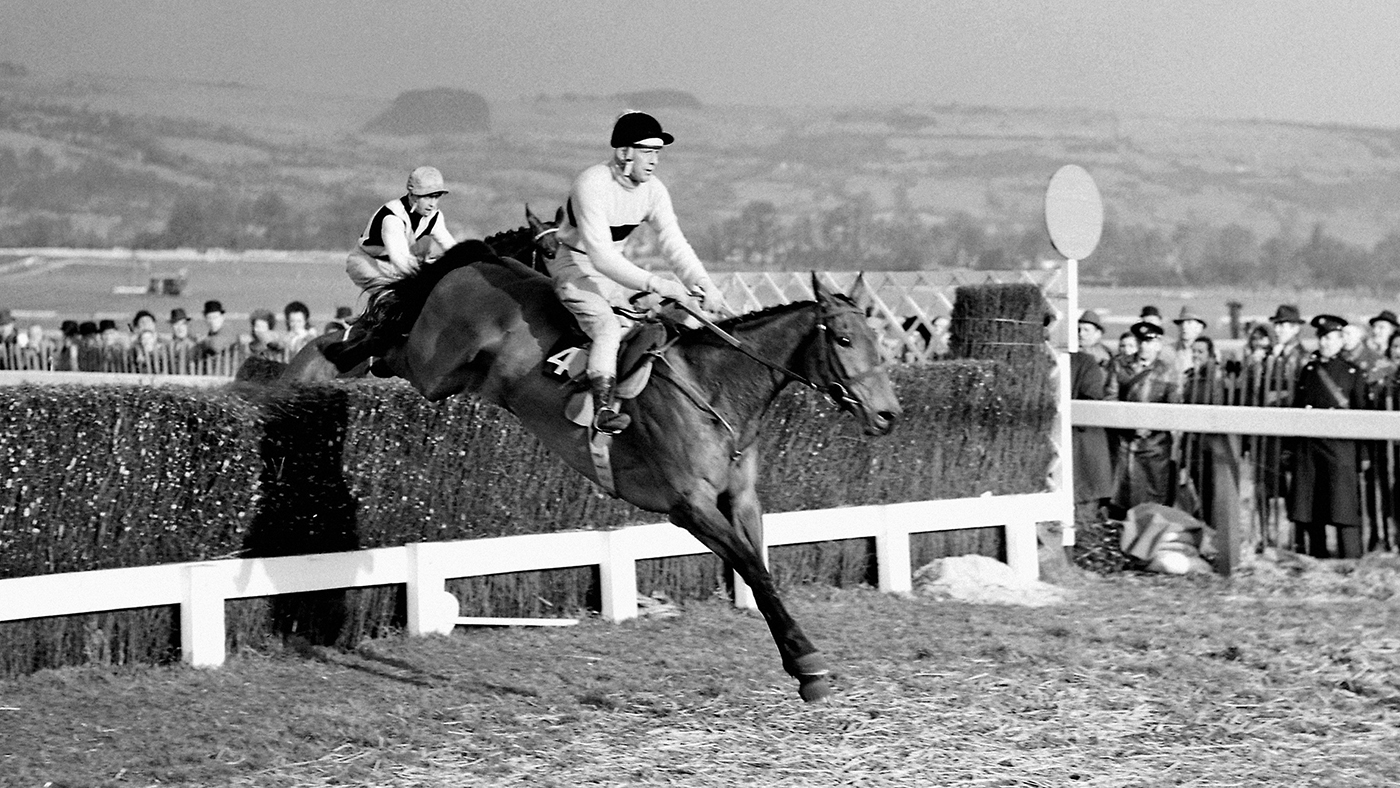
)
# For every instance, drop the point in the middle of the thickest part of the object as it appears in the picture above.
(725, 539)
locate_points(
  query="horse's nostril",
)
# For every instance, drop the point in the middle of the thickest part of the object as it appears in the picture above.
(889, 416)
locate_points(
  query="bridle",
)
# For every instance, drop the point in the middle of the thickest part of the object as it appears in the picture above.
(830, 361)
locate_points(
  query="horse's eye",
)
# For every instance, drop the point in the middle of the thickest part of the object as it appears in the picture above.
(843, 341)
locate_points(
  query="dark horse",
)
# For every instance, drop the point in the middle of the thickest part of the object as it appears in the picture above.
(533, 244)
(691, 451)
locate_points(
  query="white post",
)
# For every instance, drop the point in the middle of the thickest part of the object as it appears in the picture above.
(617, 575)
(892, 557)
(1021, 549)
(425, 585)
(202, 617)
(1064, 476)
(743, 595)
(1072, 306)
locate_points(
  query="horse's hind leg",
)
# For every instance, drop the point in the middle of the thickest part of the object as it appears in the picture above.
(800, 657)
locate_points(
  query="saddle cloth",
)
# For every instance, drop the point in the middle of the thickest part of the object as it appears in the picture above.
(568, 361)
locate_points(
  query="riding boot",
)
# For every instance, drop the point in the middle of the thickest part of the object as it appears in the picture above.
(606, 418)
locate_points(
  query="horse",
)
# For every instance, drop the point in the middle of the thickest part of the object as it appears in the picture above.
(534, 243)
(489, 326)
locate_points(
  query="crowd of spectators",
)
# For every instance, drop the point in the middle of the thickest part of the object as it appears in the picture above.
(177, 347)
(1312, 483)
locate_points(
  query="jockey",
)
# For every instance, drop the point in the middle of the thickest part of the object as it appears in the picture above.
(606, 203)
(397, 239)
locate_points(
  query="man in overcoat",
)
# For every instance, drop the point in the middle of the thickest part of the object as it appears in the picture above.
(1144, 470)
(1325, 486)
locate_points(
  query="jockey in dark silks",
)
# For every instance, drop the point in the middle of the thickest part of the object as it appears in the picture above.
(606, 203)
(398, 239)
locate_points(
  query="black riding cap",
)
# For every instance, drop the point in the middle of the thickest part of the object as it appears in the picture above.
(633, 126)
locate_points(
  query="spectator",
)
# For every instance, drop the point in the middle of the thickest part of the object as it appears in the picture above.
(1143, 472)
(144, 321)
(1383, 328)
(181, 349)
(67, 360)
(182, 345)
(1374, 366)
(1289, 354)
(1150, 314)
(145, 353)
(264, 341)
(1092, 463)
(1204, 454)
(218, 339)
(39, 349)
(89, 347)
(1091, 339)
(1189, 325)
(299, 330)
(1325, 489)
(8, 339)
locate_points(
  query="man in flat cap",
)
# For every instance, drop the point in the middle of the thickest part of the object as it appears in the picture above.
(606, 202)
(1143, 472)
(1189, 326)
(1091, 339)
(1325, 489)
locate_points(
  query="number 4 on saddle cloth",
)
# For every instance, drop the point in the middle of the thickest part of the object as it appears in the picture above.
(567, 361)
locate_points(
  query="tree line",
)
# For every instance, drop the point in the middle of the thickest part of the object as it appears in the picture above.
(853, 234)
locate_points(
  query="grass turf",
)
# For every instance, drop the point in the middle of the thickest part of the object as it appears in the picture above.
(1138, 681)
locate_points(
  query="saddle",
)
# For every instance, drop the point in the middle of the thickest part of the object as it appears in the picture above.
(568, 362)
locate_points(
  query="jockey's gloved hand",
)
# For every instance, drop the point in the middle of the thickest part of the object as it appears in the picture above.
(711, 297)
(668, 288)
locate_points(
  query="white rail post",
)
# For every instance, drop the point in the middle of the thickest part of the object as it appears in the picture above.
(743, 595)
(1021, 549)
(202, 617)
(426, 582)
(617, 576)
(1062, 473)
(892, 557)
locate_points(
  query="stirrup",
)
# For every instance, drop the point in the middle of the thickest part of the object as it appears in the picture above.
(609, 421)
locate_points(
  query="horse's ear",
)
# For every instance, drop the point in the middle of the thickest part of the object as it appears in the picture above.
(559, 216)
(530, 217)
(861, 293)
(818, 291)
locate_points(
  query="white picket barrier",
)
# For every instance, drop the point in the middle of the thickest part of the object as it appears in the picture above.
(202, 588)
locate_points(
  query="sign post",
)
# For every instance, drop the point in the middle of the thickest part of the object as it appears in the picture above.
(1074, 219)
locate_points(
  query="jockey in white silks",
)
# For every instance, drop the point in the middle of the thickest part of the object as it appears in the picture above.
(396, 240)
(606, 203)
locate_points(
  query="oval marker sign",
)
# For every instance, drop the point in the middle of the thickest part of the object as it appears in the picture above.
(1073, 212)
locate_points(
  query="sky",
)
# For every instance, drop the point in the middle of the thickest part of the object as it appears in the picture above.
(1293, 60)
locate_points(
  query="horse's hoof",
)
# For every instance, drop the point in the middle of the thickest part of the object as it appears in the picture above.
(814, 688)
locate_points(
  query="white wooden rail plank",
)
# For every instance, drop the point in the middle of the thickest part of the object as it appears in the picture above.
(39, 377)
(95, 591)
(1239, 419)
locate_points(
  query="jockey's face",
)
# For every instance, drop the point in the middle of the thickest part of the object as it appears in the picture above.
(424, 204)
(642, 160)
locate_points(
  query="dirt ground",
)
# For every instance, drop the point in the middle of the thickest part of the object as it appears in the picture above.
(1288, 675)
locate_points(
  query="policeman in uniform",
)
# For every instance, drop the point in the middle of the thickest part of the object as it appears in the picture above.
(1325, 488)
(1145, 456)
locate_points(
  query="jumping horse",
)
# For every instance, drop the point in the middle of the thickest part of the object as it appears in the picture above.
(490, 322)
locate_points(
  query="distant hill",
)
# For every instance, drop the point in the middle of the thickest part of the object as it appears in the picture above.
(658, 99)
(107, 160)
(435, 111)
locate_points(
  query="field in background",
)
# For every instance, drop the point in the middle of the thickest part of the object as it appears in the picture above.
(83, 290)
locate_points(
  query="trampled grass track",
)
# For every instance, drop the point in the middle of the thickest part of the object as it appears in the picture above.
(1139, 681)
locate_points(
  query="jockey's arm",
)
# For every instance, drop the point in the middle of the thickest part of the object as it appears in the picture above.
(395, 237)
(441, 235)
